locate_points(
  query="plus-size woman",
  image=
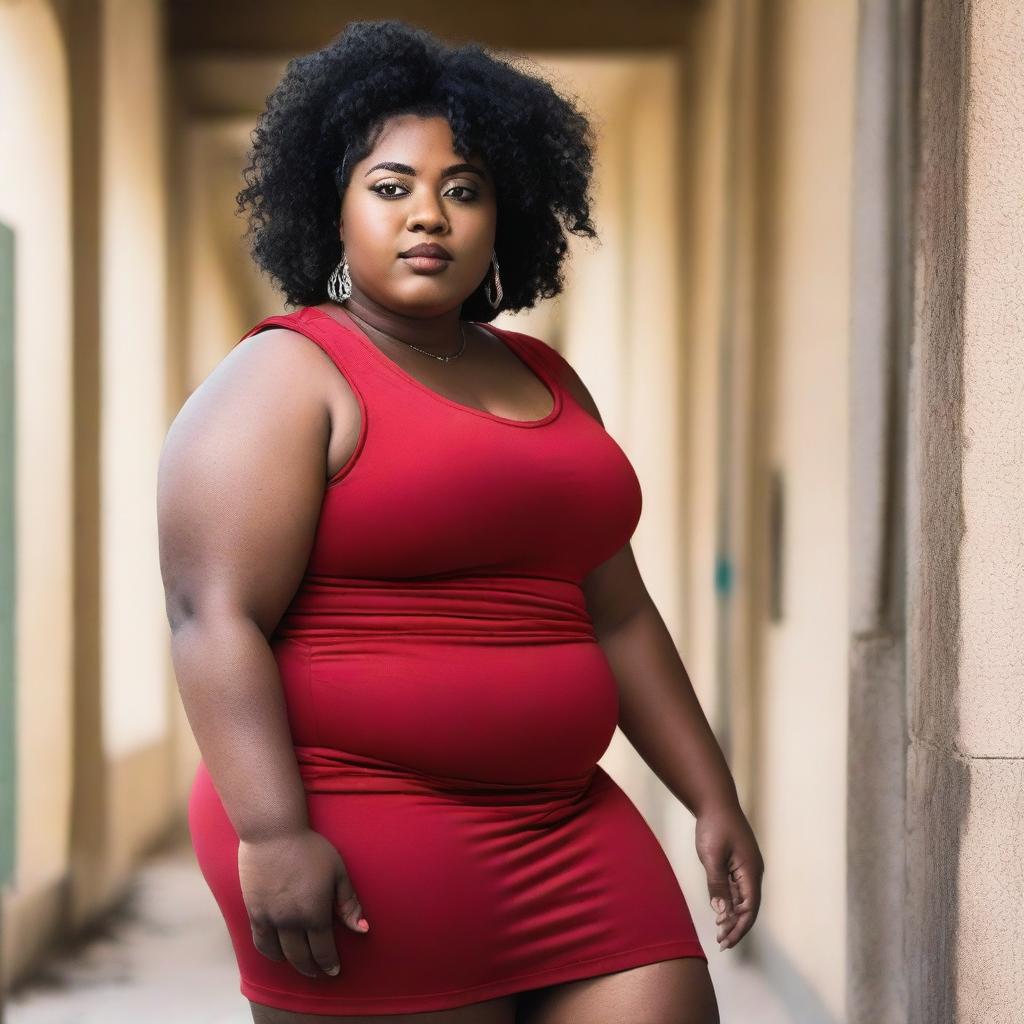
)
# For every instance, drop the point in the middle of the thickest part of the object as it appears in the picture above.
(405, 615)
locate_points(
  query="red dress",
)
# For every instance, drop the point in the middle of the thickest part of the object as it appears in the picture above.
(448, 701)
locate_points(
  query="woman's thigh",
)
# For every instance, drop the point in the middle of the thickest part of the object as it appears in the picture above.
(675, 991)
(492, 1011)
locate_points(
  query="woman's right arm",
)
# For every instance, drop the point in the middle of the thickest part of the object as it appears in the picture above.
(240, 484)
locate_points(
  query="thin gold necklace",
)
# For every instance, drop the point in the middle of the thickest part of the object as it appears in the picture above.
(442, 358)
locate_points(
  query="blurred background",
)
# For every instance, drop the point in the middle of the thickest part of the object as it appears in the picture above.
(801, 323)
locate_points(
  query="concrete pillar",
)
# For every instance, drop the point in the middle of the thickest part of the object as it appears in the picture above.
(965, 773)
(882, 328)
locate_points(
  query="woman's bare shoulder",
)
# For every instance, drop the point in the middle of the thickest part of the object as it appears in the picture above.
(241, 479)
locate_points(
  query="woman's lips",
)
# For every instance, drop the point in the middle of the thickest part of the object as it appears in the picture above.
(426, 264)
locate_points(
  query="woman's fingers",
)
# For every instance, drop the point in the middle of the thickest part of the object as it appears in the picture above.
(745, 889)
(323, 949)
(350, 910)
(264, 938)
(294, 885)
(733, 923)
(740, 926)
(740, 908)
(725, 916)
(296, 948)
(728, 850)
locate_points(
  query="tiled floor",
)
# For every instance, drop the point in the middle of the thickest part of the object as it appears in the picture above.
(164, 958)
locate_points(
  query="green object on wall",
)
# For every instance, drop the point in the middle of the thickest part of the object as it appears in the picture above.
(8, 734)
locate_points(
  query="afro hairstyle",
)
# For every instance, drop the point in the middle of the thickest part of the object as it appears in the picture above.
(325, 114)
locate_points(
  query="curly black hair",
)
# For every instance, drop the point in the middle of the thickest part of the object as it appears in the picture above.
(324, 116)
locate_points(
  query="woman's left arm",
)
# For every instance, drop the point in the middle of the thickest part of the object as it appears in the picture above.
(659, 713)
(658, 709)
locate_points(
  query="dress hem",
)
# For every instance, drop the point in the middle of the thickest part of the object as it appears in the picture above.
(575, 971)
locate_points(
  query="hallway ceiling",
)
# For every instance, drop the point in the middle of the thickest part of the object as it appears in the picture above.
(263, 28)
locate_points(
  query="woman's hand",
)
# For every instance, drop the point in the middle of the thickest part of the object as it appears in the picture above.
(292, 885)
(729, 852)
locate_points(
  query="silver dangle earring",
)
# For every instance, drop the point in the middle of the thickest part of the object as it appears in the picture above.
(339, 285)
(494, 298)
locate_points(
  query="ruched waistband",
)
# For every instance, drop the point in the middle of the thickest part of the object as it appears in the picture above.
(326, 770)
(473, 609)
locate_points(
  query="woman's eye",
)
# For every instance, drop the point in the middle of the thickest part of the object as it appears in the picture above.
(379, 189)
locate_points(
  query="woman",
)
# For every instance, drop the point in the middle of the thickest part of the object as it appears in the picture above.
(406, 617)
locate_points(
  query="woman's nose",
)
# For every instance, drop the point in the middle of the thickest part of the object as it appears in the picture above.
(428, 213)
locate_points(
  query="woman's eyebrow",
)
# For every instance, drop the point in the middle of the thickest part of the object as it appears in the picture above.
(399, 168)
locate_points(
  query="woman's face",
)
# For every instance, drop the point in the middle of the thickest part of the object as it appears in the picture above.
(387, 210)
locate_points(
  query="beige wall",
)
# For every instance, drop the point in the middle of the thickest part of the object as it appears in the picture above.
(719, 171)
(133, 424)
(216, 297)
(70, 859)
(802, 768)
(769, 144)
(651, 351)
(706, 135)
(35, 202)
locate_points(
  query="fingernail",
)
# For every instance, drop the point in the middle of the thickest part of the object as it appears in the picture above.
(334, 969)
(364, 924)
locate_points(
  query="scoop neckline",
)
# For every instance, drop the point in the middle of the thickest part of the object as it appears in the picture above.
(517, 349)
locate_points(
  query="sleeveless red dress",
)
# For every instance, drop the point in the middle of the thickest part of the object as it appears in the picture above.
(449, 701)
